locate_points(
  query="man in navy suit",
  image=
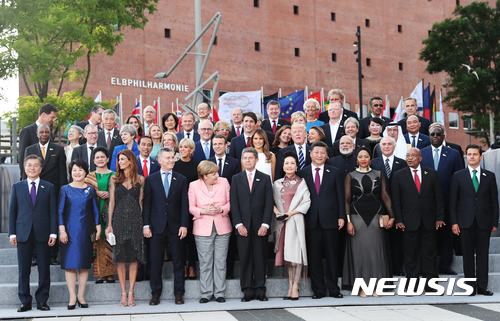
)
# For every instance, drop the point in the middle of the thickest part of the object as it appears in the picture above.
(33, 225)
(204, 110)
(334, 127)
(237, 123)
(146, 164)
(413, 136)
(95, 119)
(187, 126)
(165, 216)
(474, 215)
(228, 167)
(273, 123)
(377, 106)
(239, 143)
(446, 162)
(203, 148)
(324, 219)
(411, 109)
(299, 136)
(109, 137)
(86, 151)
(336, 95)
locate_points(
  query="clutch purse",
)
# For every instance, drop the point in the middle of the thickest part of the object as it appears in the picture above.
(383, 220)
(281, 217)
(111, 239)
(92, 236)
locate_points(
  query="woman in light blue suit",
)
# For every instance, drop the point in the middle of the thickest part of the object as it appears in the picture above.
(128, 134)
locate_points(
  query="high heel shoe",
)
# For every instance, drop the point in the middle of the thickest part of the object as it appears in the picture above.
(82, 305)
(123, 304)
(131, 303)
(294, 299)
(71, 307)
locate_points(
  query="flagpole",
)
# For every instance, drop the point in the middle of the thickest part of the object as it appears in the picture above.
(279, 93)
(262, 101)
(121, 110)
(140, 108)
(159, 112)
(423, 96)
(172, 106)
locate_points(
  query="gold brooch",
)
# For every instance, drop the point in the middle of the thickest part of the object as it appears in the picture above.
(328, 170)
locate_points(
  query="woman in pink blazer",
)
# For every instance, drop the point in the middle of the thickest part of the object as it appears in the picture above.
(209, 205)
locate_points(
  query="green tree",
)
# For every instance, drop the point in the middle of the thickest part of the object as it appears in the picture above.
(44, 39)
(470, 37)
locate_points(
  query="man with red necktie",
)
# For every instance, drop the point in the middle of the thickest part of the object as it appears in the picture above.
(146, 164)
(273, 123)
(243, 141)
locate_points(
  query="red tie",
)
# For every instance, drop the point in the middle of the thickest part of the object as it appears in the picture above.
(248, 141)
(417, 180)
(274, 127)
(238, 131)
(145, 168)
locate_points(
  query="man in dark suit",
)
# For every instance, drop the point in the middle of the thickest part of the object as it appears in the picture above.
(187, 126)
(411, 109)
(334, 127)
(203, 148)
(351, 127)
(388, 164)
(109, 137)
(413, 136)
(33, 225)
(146, 164)
(86, 151)
(377, 106)
(95, 119)
(204, 110)
(346, 162)
(165, 216)
(417, 202)
(474, 215)
(237, 123)
(324, 219)
(273, 123)
(299, 136)
(456, 147)
(251, 211)
(243, 141)
(336, 95)
(446, 162)
(46, 115)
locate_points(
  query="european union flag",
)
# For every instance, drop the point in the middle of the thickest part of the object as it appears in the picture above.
(290, 104)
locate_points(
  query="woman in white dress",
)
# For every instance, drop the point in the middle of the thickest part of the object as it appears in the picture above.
(75, 133)
(267, 160)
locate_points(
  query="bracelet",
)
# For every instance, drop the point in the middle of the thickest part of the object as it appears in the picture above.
(348, 218)
(62, 232)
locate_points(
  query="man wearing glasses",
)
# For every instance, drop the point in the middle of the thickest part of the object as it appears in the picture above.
(86, 151)
(203, 148)
(336, 95)
(95, 119)
(203, 111)
(334, 128)
(377, 106)
(411, 109)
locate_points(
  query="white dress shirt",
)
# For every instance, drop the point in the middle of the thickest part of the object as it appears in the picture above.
(440, 148)
(236, 127)
(478, 173)
(419, 172)
(223, 159)
(334, 128)
(391, 160)
(46, 146)
(89, 152)
(304, 150)
(321, 171)
(148, 163)
(191, 134)
(253, 178)
(162, 172)
(410, 136)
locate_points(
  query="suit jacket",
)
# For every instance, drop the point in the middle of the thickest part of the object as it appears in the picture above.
(53, 166)
(27, 137)
(195, 127)
(118, 149)
(449, 163)
(335, 150)
(199, 154)
(328, 133)
(231, 167)
(116, 140)
(466, 204)
(252, 208)
(412, 208)
(397, 164)
(200, 197)
(160, 210)
(154, 166)
(232, 134)
(278, 171)
(345, 114)
(424, 125)
(266, 125)
(329, 205)
(458, 149)
(364, 125)
(345, 164)
(423, 140)
(42, 217)
(238, 144)
(491, 162)
(195, 137)
(82, 125)
(81, 152)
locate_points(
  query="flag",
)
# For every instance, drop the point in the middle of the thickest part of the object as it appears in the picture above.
(215, 115)
(178, 112)
(440, 113)
(316, 96)
(417, 94)
(290, 104)
(398, 114)
(427, 109)
(387, 108)
(98, 99)
(247, 101)
(433, 104)
(268, 98)
(117, 111)
(155, 106)
(137, 110)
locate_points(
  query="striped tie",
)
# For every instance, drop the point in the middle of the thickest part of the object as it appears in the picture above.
(301, 158)
(387, 168)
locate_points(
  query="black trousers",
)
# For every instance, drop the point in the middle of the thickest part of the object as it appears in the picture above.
(252, 253)
(321, 241)
(420, 253)
(157, 247)
(445, 245)
(396, 247)
(231, 254)
(476, 241)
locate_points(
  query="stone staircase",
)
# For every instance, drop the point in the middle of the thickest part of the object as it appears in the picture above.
(276, 284)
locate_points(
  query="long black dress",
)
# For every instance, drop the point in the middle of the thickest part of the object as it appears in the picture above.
(366, 254)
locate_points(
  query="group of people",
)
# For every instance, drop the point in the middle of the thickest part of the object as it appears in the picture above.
(371, 197)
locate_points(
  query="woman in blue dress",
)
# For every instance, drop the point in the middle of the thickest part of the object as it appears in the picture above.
(78, 219)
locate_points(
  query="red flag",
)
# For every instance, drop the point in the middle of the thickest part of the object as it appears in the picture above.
(137, 110)
(316, 96)
(156, 112)
(179, 115)
(215, 115)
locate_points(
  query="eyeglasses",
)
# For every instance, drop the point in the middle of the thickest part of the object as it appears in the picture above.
(206, 129)
(378, 105)
(92, 133)
(223, 130)
(436, 134)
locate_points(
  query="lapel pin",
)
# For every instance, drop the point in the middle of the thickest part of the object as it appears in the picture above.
(257, 179)
(484, 174)
(328, 170)
(226, 163)
(51, 149)
(174, 178)
(418, 139)
(444, 155)
(42, 186)
(425, 173)
(114, 137)
(397, 162)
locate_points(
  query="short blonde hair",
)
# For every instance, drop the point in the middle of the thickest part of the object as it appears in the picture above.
(189, 142)
(174, 137)
(154, 125)
(222, 123)
(206, 167)
(298, 114)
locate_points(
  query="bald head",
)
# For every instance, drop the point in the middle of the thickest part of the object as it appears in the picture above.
(149, 114)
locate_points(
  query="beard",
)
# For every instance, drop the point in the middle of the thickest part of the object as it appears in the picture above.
(346, 152)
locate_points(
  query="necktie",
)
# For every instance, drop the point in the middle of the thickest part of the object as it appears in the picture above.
(250, 181)
(317, 182)
(238, 130)
(33, 193)
(475, 181)
(166, 186)
(108, 141)
(43, 152)
(387, 168)
(220, 166)
(274, 127)
(145, 168)
(92, 164)
(436, 158)
(248, 141)
(301, 158)
(413, 141)
(417, 180)
(206, 151)
(188, 134)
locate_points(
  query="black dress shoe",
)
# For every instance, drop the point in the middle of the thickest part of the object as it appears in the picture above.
(42, 306)
(263, 298)
(294, 299)
(155, 300)
(33, 261)
(447, 272)
(99, 281)
(54, 261)
(337, 295)
(110, 281)
(220, 299)
(203, 300)
(229, 276)
(246, 299)
(72, 307)
(82, 305)
(318, 296)
(24, 307)
(484, 292)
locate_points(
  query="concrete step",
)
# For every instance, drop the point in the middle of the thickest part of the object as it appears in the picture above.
(8, 256)
(4, 241)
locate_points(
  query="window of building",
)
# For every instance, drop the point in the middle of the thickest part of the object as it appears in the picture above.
(208, 93)
(334, 57)
(167, 33)
(400, 28)
(297, 52)
(429, 33)
(117, 27)
(400, 66)
(215, 40)
(222, 92)
(368, 62)
(295, 9)
(332, 16)
(458, 2)
(367, 23)
(256, 3)
(453, 120)
(257, 46)
(467, 121)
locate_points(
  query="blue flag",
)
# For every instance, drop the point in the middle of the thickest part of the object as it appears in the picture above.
(290, 104)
